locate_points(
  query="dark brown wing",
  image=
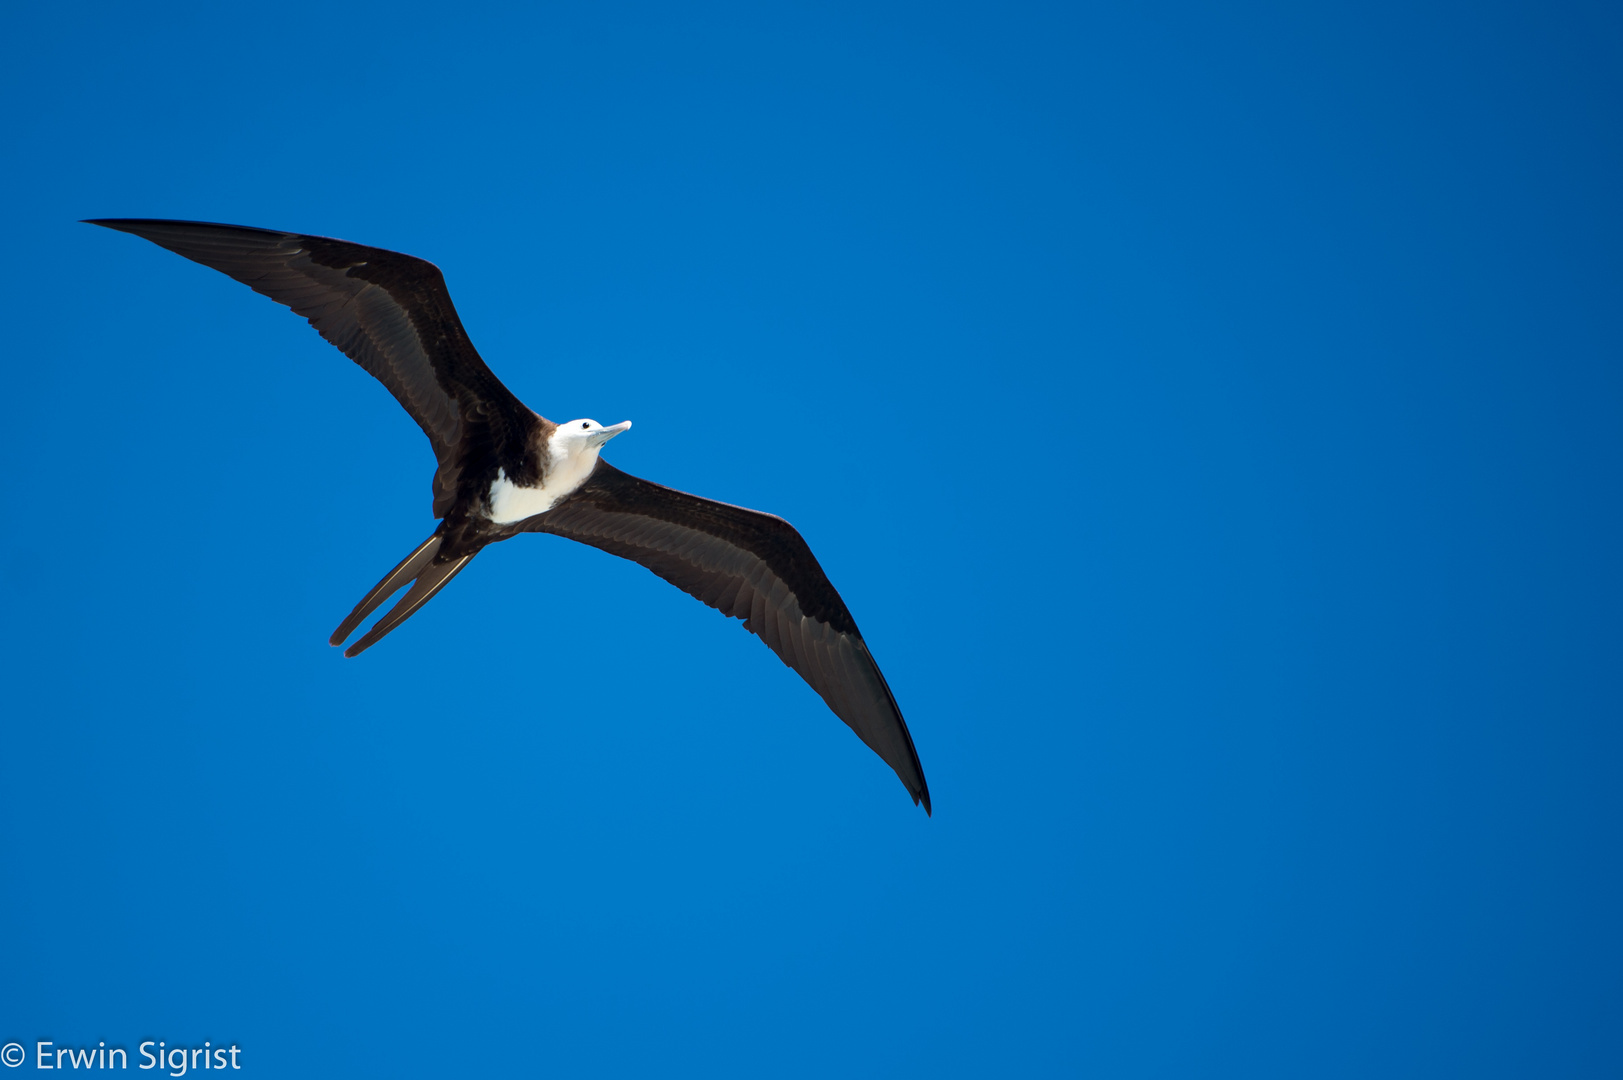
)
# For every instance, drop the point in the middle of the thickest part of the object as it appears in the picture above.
(754, 567)
(388, 312)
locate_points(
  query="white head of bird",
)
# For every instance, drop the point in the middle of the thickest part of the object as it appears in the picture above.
(572, 451)
(583, 437)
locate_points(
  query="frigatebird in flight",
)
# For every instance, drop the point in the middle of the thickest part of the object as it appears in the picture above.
(505, 470)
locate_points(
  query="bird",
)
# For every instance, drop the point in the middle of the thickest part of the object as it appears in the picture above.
(503, 470)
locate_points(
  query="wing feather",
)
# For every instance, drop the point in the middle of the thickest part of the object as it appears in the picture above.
(751, 566)
(388, 312)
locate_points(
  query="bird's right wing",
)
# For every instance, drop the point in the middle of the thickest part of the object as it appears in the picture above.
(751, 566)
(390, 313)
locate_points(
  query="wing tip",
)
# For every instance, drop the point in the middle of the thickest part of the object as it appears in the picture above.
(136, 226)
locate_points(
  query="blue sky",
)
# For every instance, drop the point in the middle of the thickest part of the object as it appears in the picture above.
(1210, 414)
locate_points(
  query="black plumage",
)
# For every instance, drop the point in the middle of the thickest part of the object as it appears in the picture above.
(393, 315)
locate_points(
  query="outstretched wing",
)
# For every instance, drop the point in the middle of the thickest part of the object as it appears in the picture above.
(754, 567)
(388, 312)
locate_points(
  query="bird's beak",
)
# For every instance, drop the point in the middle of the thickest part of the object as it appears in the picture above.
(603, 435)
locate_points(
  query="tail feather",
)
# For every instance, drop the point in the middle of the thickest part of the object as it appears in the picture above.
(433, 578)
(409, 567)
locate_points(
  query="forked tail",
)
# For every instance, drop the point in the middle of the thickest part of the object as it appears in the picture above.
(430, 577)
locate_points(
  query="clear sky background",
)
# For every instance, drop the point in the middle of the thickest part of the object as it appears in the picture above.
(1213, 415)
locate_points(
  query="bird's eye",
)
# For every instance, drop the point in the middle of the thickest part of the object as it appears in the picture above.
(584, 425)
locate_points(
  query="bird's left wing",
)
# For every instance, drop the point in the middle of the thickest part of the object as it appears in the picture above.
(388, 312)
(751, 566)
